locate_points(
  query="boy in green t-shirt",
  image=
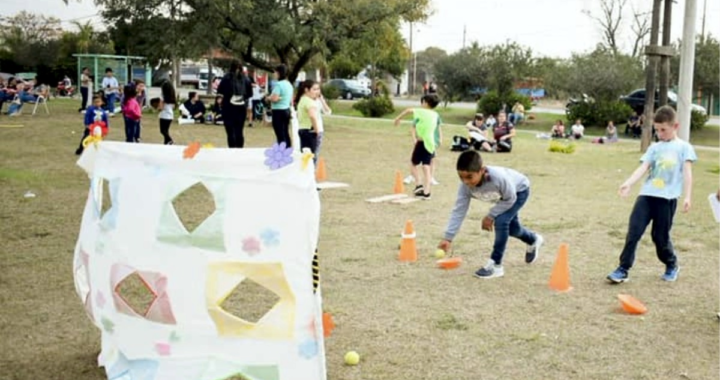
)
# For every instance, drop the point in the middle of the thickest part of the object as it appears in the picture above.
(426, 122)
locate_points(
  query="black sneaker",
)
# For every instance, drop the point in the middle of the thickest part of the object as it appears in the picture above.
(418, 190)
(79, 151)
(423, 196)
(533, 251)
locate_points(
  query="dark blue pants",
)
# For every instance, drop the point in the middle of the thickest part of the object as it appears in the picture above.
(507, 224)
(661, 212)
(281, 126)
(132, 130)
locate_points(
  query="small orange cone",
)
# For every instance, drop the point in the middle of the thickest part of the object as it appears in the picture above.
(408, 249)
(320, 173)
(631, 305)
(560, 276)
(399, 188)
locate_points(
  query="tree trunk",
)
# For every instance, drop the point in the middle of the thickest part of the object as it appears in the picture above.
(650, 72)
(665, 60)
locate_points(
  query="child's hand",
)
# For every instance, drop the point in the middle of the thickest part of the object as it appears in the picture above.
(397, 122)
(487, 223)
(445, 245)
(686, 204)
(624, 190)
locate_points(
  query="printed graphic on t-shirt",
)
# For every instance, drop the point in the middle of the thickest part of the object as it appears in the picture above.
(664, 168)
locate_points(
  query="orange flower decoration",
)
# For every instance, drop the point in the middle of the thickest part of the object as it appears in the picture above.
(192, 149)
(328, 324)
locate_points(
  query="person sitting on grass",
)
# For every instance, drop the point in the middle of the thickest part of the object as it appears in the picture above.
(558, 130)
(216, 111)
(193, 108)
(577, 130)
(477, 130)
(503, 133)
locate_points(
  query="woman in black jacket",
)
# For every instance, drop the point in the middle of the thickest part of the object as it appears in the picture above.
(236, 90)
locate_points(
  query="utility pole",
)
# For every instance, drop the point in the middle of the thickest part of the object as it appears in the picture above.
(652, 52)
(411, 90)
(464, 34)
(665, 59)
(687, 67)
(702, 34)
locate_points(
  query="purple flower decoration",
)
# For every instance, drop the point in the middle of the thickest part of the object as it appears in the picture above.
(278, 156)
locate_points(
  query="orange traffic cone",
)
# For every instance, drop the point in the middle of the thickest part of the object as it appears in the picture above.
(408, 249)
(560, 276)
(320, 173)
(399, 188)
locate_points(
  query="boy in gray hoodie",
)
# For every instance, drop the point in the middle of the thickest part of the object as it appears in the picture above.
(509, 190)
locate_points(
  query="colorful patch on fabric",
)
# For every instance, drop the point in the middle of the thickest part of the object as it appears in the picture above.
(278, 156)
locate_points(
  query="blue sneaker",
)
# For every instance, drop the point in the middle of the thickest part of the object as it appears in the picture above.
(618, 276)
(671, 273)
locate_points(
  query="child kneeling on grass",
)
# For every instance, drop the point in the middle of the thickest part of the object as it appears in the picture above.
(426, 121)
(509, 190)
(669, 164)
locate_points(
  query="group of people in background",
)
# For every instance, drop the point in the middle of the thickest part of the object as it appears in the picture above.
(232, 107)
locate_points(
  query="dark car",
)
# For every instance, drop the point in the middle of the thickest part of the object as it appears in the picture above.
(636, 101)
(350, 89)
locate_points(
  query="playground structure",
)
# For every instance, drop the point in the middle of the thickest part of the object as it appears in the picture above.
(125, 68)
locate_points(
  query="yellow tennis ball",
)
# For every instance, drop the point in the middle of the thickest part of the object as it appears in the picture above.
(352, 358)
(439, 254)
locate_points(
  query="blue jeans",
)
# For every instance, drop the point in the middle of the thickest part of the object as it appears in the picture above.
(507, 224)
(132, 130)
(110, 100)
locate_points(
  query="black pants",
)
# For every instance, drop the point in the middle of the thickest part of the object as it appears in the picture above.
(281, 126)
(661, 212)
(80, 148)
(84, 92)
(165, 131)
(234, 121)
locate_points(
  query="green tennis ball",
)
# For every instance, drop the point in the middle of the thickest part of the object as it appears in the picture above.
(439, 254)
(352, 358)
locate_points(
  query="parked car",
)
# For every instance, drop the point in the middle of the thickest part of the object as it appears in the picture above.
(636, 101)
(350, 89)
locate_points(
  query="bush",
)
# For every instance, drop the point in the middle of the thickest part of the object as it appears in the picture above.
(491, 102)
(376, 106)
(599, 113)
(560, 147)
(330, 92)
(698, 119)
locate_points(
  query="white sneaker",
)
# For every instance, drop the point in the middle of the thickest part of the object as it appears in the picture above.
(434, 182)
(533, 251)
(490, 270)
(408, 180)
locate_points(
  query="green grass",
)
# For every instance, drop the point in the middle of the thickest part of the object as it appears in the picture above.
(407, 321)
(541, 122)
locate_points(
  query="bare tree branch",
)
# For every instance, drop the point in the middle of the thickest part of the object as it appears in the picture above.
(641, 29)
(610, 21)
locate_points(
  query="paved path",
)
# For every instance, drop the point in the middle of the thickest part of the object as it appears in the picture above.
(714, 120)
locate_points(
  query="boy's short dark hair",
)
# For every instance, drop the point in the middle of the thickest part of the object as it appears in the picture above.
(108, 70)
(154, 102)
(191, 95)
(665, 115)
(469, 161)
(479, 116)
(97, 97)
(431, 99)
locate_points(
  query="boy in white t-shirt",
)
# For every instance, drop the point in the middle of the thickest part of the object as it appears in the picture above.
(110, 87)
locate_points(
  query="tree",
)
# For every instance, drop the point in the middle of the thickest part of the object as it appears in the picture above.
(458, 74)
(425, 62)
(267, 32)
(604, 75)
(507, 63)
(641, 30)
(29, 39)
(610, 21)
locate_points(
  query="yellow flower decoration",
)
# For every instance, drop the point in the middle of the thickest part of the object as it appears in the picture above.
(306, 157)
(93, 139)
(208, 146)
(659, 183)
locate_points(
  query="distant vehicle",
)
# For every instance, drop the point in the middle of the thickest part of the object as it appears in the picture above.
(636, 101)
(350, 89)
(204, 77)
(190, 75)
(26, 77)
(584, 98)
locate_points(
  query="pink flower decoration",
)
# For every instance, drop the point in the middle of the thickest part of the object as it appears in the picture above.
(162, 348)
(100, 300)
(251, 245)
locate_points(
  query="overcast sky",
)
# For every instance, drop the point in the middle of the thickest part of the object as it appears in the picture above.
(550, 27)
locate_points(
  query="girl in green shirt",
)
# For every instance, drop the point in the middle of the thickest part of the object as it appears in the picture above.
(308, 115)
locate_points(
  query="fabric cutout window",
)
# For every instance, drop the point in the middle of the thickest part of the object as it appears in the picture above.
(82, 283)
(104, 193)
(223, 279)
(250, 301)
(141, 294)
(240, 372)
(193, 216)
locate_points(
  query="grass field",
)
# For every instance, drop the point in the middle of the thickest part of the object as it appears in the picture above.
(542, 122)
(408, 321)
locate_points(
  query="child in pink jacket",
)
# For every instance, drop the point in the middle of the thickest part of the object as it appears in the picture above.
(132, 114)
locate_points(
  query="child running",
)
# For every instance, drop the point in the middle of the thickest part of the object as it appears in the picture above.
(668, 164)
(509, 190)
(93, 114)
(426, 121)
(166, 106)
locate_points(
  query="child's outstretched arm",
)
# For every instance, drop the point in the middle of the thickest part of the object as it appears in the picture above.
(687, 185)
(462, 204)
(637, 174)
(402, 115)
